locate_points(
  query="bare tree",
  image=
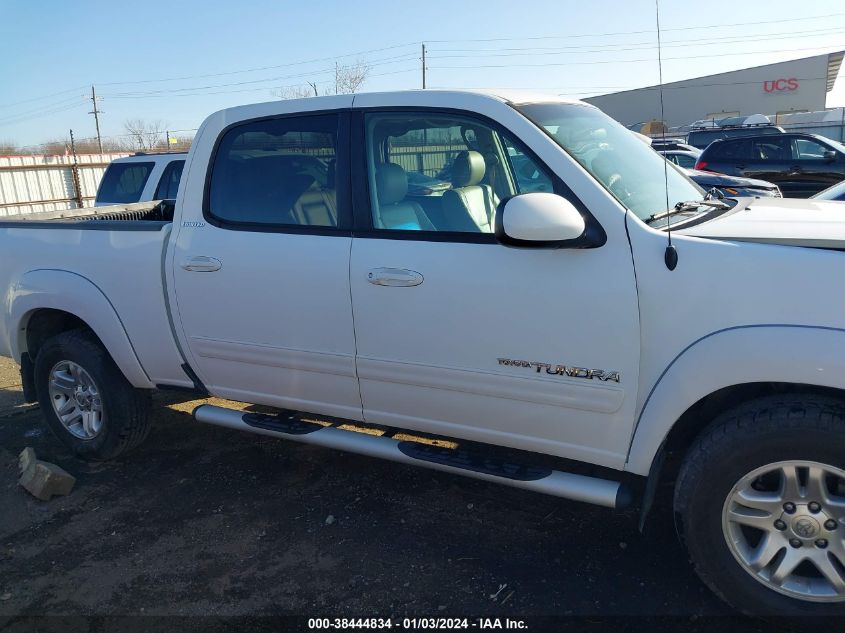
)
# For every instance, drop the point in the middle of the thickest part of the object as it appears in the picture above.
(297, 92)
(145, 135)
(8, 148)
(347, 79)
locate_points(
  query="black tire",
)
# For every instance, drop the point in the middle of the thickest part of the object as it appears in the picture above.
(751, 436)
(126, 408)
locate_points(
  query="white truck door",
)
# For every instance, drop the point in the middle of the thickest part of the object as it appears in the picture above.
(461, 336)
(262, 281)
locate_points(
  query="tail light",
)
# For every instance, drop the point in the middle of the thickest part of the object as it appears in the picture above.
(701, 164)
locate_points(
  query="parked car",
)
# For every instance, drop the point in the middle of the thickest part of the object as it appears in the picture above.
(556, 341)
(836, 192)
(800, 164)
(729, 186)
(682, 158)
(732, 186)
(701, 138)
(140, 178)
(666, 144)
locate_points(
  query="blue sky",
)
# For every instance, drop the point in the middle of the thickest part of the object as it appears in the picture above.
(177, 61)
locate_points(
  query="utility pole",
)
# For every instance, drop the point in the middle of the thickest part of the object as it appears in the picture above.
(74, 172)
(336, 76)
(96, 112)
(423, 65)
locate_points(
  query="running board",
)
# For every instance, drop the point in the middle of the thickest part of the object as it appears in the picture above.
(611, 494)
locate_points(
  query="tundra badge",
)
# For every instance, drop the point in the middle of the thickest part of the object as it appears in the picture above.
(563, 370)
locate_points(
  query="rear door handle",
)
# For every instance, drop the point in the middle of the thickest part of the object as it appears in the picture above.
(201, 264)
(395, 277)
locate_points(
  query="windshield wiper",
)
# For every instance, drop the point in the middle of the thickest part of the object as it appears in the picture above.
(690, 205)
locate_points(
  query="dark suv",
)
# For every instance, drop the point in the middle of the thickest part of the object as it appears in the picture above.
(800, 164)
(703, 137)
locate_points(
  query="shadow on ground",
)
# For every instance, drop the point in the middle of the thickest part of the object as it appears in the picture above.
(207, 521)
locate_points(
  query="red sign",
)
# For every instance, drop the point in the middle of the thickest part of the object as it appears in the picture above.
(781, 85)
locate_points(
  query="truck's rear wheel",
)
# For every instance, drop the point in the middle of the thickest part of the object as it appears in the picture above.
(87, 402)
(760, 501)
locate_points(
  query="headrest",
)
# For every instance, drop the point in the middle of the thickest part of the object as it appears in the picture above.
(468, 169)
(391, 183)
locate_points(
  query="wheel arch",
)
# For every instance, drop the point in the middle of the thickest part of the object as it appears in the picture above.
(47, 302)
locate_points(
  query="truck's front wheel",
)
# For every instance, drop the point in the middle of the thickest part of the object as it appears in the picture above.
(760, 502)
(87, 402)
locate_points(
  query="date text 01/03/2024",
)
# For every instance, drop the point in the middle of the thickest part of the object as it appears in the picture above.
(416, 623)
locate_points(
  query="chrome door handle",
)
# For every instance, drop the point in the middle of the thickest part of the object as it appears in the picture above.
(395, 277)
(201, 264)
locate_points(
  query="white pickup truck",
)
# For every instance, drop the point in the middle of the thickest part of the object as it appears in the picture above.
(535, 315)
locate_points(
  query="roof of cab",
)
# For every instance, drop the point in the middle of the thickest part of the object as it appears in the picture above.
(339, 102)
(148, 156)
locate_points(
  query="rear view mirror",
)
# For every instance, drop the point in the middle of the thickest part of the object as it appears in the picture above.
(830, 155)
(539, 220)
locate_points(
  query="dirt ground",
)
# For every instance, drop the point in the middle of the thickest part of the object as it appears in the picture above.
(205, 521)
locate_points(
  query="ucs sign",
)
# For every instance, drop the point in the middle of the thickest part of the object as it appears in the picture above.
(781, 85)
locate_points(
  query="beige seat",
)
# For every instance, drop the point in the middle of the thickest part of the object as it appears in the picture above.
(394, 212)
(468, 197)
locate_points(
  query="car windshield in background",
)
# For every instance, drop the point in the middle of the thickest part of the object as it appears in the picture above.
(629, 169)
(836, 192)
(123, 183)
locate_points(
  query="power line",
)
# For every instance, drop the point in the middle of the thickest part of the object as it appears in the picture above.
(55, 94)
(22, 118)
(260, 68)
(375, 63)
(259, 89)
(720, 26)
(613, 48)
(631, 61)
(76, 99)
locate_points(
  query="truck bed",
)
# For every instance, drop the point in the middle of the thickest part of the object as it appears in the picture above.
(118, 249)
(152, 211)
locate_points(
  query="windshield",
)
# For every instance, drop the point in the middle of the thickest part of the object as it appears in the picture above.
(835, 144)
(627, 167)
(836, 192)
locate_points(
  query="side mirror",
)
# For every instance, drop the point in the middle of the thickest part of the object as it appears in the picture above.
(830, 155)
(539, 220)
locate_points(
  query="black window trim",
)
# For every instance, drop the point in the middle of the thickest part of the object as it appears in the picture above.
(128, 163)
(344, 205)
(168, 169)
(361, 199)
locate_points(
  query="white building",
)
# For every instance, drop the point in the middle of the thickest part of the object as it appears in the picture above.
(799, 85)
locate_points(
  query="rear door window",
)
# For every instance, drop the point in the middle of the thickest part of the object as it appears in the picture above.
(774, 148)
(168, 184)
(730, 151)
(123, 183)
(277, 172)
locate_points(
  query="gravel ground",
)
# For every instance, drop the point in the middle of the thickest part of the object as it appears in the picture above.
(207, 521)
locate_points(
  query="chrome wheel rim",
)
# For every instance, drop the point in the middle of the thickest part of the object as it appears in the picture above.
(76, 400)
(785, 525)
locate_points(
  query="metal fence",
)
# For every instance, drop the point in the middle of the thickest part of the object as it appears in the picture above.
(36, 183)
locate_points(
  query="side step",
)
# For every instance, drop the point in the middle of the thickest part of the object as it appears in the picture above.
(611, 494)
